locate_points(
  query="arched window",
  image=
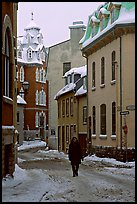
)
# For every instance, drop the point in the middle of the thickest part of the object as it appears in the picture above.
(102, 70)
(94, 119)
(113, 58)
(37, 119)
(113, 118)
(103, 119)
(21, 74)
(37, 74)
(7, 69)
(93, 75)
(44, 73)
(41, 75)
(37, 97)
(42, 98)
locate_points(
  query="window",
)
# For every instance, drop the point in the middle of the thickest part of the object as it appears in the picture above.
(66, 67)
(94, 119)
(41, 75)
(37, 97)
(7, 69)
(93, 30)
(113, 57)
(37, 74)
(84, 83)
(67, 107)
(67, 134)
(103, 119)
(59, 110)
(93, 74)
(29, 54)
(63, 108)
(102, 70)
(102, 23)
(44, 75)
(20, 54)
(42, 98)
(21, 74)
(38, 55)
(71, 106)
(85, 115)
(71, 131)
(18, 118)
(113, 118)
(37, 119)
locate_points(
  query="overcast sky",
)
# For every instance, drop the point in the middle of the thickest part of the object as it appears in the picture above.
(54, 18)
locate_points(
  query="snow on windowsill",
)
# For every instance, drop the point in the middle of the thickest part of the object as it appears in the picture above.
(103, 136)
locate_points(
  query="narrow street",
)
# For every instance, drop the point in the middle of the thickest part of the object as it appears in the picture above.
(97, 181)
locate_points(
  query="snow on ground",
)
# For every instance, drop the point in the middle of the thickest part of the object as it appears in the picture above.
(43, 180)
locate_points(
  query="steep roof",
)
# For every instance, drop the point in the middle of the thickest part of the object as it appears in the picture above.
(126, 16)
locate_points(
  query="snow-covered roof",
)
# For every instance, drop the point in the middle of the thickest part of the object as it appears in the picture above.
(126, 16)
(31, 25)
(80, 91)
(76, 70)
(33, 40)
(20, 100)
(69, 87)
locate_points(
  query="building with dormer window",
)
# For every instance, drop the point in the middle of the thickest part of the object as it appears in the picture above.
(110, 55)
(72, 109)
(32, 67)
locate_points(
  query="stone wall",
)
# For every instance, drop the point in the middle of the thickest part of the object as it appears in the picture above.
(113, 152)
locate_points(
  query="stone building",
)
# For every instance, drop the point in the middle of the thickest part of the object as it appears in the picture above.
(109, 47)
(9, 92)
(62, 57)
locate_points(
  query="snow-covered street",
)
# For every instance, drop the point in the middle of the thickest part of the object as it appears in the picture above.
(43, 175)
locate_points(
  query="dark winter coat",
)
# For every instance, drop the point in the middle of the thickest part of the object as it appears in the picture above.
(75, 153)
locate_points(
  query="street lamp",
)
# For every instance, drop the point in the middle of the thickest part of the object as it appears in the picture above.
(25, 86)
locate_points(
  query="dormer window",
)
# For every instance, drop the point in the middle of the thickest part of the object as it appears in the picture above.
(114, 8)
(76, 77)
(104, 17)
(20, 54)
(102, 24)
(94, 25)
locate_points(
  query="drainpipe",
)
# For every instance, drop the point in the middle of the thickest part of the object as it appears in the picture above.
(87, 139)
(120, 67)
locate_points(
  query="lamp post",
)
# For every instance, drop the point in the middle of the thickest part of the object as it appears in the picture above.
(25, 86)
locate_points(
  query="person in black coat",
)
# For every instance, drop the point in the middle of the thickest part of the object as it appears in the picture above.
(75, 155)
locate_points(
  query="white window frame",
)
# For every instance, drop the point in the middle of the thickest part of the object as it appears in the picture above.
(37, 74)
(21, 74)
(37, 119)
(37, 97)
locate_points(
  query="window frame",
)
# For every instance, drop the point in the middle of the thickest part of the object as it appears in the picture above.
(103, 119)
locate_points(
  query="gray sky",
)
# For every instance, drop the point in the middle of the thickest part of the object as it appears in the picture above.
(54, 18)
